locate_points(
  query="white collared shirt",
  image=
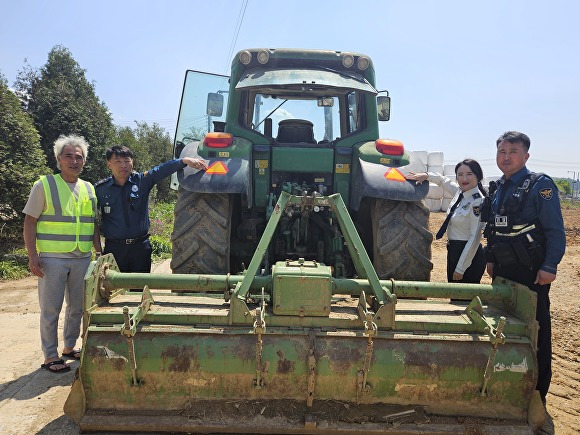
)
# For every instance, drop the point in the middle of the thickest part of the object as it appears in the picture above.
(464, 224)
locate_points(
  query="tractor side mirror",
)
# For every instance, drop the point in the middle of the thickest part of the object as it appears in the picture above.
(325, 101)
(215, 104)
(384, 107)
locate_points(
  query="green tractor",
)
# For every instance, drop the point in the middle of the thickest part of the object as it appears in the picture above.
(302, 122)
(299, 301)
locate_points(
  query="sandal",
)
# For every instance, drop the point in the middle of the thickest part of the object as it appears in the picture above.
(74, 354)
(48, 366)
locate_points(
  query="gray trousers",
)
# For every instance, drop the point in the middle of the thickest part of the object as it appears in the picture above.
(63, 280)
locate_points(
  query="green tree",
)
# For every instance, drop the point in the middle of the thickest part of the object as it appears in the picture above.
(63, 101)
(154, 148)
(125, 136)
(21, 160)
(563, 185)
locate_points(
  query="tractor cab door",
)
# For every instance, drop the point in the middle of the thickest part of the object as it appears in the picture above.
(202, 110)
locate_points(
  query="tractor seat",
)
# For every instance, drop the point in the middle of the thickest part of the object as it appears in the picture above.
(295, 131)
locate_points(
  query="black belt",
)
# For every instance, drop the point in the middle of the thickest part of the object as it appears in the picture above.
(128, 241)
(456, 242)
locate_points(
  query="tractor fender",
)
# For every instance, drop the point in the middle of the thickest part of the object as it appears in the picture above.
(370, 181)
(233, 176)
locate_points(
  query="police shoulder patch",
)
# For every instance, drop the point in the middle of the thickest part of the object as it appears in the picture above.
(546, 193)
(476, 210)
(104, 180)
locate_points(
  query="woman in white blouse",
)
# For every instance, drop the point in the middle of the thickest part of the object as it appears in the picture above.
(465, 256)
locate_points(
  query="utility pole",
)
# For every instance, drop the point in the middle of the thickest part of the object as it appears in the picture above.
(573, 182)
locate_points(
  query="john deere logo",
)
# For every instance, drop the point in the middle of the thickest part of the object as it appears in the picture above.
(546, 194)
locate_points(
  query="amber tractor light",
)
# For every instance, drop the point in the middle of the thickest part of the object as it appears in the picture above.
(218, 140)
(390, 147)
(263, 56)
(245, 57)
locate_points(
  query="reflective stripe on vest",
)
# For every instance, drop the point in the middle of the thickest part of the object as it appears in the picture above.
(67, 223)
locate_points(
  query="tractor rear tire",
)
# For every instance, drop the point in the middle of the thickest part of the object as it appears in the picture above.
(201, 233)
(402, 240)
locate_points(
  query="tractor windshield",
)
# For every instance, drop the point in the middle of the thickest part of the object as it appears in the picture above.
(327, 99)
(325, 119)
(332, 116)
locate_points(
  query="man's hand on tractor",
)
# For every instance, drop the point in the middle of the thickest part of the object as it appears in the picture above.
(195, 163)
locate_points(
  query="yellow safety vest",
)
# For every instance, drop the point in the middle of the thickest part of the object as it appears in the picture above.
(67, 223)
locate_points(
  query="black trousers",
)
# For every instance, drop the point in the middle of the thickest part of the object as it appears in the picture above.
(131, 258)
(474, 272)
(527, 277)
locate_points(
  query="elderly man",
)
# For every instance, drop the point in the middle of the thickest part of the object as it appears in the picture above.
(59, 231)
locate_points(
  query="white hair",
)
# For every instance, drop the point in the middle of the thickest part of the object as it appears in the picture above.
(73, 140)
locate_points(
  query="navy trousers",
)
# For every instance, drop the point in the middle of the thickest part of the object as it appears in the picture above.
(474, 272)
(525, 276)
(131, 258)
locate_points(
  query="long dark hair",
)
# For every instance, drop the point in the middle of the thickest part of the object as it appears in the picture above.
(476, 169)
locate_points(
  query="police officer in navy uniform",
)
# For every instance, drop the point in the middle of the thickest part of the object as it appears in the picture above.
(123, 200)
(525, 236)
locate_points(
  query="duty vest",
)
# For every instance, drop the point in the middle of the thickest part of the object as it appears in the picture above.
(511, 239)
(67, 223)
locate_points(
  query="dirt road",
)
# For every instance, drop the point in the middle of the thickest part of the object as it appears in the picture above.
(31, 399)
(564, 396)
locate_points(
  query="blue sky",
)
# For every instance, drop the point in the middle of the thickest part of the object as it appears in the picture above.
(459, 73)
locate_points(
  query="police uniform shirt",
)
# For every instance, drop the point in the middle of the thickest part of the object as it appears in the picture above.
(464, 224)
(125, 209)
(542, 202)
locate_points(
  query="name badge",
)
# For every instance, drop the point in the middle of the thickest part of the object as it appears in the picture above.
(501, 221)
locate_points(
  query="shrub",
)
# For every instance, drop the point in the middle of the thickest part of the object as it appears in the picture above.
(11, 269)
(161, 247)
(161, 216)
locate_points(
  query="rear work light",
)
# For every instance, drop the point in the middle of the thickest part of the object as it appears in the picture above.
(390, 147)
(218, 140)
(347, 60)
(363, 63)
(263, 56)
(245, 57)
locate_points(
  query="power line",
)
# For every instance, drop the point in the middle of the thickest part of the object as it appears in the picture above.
(236, 33)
